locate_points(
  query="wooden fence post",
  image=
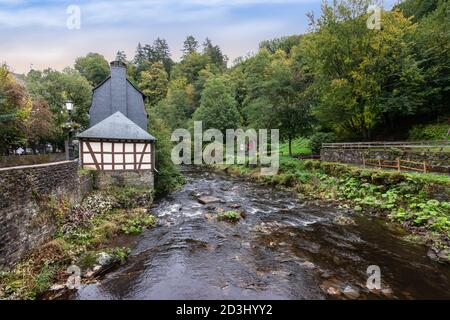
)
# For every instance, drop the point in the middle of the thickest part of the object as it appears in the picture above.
(364, 162)
(398, 164)
(379, 163)
(424, 167)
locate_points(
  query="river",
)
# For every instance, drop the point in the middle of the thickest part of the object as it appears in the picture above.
(285, 248)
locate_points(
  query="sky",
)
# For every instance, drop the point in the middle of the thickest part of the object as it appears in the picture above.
(35, 34)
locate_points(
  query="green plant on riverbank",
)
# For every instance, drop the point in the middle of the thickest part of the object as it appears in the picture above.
(83, 232)
(135, 224)
(420, 202)
(230, 216)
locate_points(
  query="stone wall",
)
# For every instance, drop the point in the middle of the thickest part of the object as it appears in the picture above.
(24, 191)
(436, 161)
(29, 159)
(138, 179)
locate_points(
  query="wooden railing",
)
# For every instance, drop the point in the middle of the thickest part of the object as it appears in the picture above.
(437, 145)
(398, 164)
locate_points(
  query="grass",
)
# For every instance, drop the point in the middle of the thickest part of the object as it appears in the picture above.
(299, 146)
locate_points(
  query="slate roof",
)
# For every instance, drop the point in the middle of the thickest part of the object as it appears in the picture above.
(117, 126)
(109, 77)
(117, 93)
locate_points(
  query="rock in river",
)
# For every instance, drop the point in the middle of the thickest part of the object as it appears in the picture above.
(208, 199)
(350, 292)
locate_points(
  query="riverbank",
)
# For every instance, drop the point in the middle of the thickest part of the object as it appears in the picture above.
(281, 247)
(86, 237)
(420, 203)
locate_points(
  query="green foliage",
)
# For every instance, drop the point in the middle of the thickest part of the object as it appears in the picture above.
(178, 106)
(363, 77)
(130, 197)
(93, 67)
(230, 216)
(318, 138)
(218, 107)
(190, 45)
(154, 83)
(15, 109)
(284, 43)
(136, 224)
(279, 95)
(121, 253)
(167, 177)
(44, 279)
(56, 88)
(430, 132)
(418, 8)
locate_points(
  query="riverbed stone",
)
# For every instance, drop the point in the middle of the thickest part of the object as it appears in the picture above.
(333, 291)
(387, 292)
(350, 292)
(208, 199)
(308, 265)
(344, 220)
(104, 258)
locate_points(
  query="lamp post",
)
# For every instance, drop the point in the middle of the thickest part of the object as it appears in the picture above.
(68, 127)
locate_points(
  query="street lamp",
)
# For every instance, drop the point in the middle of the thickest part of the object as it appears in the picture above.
(68, 128)
(69, 106)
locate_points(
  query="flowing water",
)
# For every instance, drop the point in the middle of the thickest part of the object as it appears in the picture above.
(285, 248)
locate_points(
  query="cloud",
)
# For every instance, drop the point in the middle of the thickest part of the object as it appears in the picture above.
(53, 13)
(35, 32)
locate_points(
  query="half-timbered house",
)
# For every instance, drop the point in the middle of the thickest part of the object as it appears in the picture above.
(117, 141)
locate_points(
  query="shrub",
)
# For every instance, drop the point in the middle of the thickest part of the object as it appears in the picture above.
(318, 138)
(168, 177)
(430, 132)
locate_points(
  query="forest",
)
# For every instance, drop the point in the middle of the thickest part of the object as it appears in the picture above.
(339, 81)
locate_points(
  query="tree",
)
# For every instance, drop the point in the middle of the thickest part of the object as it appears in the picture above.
(15, 108)
(283, 43)
(159, 52)
(39, 126)
(190, 45)
(218, 107)
(364, 78)
(432, 46)
(154, 83)
(121, 56)
(139, 55)
(177, 108)
(169, 177)
(190, 66)
(215, 54)
(280, 96)
(418, 8)
(93, 67)
(56, 88)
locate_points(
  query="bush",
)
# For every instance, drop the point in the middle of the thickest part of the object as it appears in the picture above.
(318, 138)
(168, 177)
(430, 132)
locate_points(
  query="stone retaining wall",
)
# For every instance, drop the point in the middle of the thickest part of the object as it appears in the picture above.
(138, 179)
(23, 192)
(436, 161)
